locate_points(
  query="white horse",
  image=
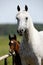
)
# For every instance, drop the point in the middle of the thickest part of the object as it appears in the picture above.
(32, 42)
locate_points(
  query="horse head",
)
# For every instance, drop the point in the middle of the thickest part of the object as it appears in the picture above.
(23, 19)
(13, 44)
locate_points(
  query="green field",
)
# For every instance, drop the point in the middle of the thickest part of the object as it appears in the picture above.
(4, 40)
(4, 48)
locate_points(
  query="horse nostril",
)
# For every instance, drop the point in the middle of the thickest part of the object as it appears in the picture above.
(22, 30)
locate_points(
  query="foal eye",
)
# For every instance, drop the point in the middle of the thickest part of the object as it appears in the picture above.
(26, 18)
(9, 44)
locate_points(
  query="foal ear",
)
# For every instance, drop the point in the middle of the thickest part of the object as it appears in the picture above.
(9, 37)
(26, 8)
(15, 37)
(18, 8)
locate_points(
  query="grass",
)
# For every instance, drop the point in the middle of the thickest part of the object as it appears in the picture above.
(4, 48)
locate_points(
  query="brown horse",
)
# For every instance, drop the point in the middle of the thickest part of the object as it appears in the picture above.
(14, 46)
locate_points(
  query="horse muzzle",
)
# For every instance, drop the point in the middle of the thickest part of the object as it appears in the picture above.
(20, 32)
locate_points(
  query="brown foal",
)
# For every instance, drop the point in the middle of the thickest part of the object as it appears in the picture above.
(14, 46)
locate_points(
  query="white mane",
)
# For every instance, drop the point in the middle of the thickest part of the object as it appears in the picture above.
(32, 42)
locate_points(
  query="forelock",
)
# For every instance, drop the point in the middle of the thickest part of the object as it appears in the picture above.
(22, 13)
(12, 42)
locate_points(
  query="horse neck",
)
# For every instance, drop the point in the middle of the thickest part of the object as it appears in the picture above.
(29, 33)
(26, 40)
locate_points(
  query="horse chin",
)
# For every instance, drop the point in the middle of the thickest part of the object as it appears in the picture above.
(21, 34)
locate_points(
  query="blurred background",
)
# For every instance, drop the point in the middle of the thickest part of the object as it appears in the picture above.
(8, 23)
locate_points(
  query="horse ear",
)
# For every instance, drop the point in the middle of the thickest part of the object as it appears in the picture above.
(15, 37)
(18, 8)
(26, 8)
(9, 37)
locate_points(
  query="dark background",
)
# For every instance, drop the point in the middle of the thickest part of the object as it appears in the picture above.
(6, 29)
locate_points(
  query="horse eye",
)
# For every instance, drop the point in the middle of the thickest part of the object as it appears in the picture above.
(17, 18)
(26, 18)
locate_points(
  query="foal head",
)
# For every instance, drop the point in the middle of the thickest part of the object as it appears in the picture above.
(23, 19)
(14, 46)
